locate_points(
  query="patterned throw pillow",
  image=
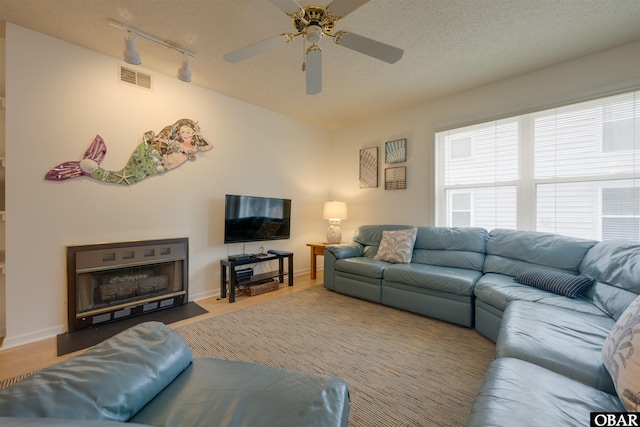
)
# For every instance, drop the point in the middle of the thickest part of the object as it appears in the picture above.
(397, 246)
(621, 356)
(555, 281)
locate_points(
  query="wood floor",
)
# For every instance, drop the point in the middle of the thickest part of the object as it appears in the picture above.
(27, 358)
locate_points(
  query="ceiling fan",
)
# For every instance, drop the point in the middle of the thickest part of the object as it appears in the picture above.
(313, 23)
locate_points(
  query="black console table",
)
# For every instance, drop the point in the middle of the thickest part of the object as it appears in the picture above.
(228, 272)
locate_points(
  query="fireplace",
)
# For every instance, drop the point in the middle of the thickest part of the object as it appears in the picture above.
(114, 281)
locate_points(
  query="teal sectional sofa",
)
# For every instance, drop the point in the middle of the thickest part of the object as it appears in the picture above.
(146, 376)
(550, 303)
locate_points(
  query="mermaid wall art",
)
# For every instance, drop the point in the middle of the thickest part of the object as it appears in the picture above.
(171, 147)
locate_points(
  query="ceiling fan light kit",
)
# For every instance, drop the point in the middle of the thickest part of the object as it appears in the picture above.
(314, 34)
(313, 23)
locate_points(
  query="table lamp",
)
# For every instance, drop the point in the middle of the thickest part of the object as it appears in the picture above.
(334, 212)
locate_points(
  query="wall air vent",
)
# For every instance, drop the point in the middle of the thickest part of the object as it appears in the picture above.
(133, 77)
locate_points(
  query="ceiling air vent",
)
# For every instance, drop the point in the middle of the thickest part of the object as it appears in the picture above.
(133, 77)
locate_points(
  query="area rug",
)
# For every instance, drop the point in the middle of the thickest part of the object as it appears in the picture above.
(402, 369)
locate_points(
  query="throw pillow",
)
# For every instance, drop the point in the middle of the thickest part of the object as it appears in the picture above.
(555, 281)
(621, 356)
(397, 246)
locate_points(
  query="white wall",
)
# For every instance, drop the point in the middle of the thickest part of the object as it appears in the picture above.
(600, 73)
(59, 96)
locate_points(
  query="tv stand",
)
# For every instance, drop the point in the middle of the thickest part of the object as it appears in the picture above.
(229, 278)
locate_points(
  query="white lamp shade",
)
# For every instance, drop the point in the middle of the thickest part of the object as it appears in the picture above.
(334, 210)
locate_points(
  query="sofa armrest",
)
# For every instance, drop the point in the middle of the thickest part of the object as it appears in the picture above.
(111, 381)
(332, 254)
(346, 251)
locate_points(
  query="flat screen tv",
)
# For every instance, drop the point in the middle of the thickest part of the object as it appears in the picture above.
(256, 219)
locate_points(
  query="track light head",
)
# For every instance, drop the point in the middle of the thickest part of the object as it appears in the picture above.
(131, 55)
(184, 72)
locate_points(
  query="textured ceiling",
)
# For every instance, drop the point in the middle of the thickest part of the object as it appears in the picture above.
(449, 45)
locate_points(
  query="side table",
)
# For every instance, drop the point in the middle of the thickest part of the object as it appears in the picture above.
(317, 249)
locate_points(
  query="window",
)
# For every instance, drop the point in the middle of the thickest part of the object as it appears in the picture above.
(461, 148)
(621, 213)
(573, 170)
(461, 209)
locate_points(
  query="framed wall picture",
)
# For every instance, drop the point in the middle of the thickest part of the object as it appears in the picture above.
(395, 178)
(395, 151)
(369, 167)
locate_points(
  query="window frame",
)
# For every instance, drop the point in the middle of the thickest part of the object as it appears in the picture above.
(527, 184)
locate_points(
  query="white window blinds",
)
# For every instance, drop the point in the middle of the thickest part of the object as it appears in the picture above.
(573, 170)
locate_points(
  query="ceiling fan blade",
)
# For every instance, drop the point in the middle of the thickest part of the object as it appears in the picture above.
(341, 8)
(381, 51)
(314, 71)
(287, 6)
(253, 49)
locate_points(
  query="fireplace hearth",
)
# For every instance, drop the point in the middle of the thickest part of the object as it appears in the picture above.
(114, 281)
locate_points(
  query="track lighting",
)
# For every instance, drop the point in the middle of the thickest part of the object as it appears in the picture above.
(132, 56)
(184, 72)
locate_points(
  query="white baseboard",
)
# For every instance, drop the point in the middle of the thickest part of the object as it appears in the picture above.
(204, 295)
(30, 338)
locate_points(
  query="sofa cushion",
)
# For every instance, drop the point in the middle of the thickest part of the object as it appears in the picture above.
(397, 246)
(616, 262)
(519, 393)
(615, 266)
(468, 239)
(498, 290)
(564, 341)
(512, 252)
(459, 247)
(111, 381)
(371, 235)
(621, 356)
(444, 279)
(555, 281)
(362, 266)
(213, 392)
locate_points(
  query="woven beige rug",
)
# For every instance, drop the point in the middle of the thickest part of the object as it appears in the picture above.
(402, 369)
